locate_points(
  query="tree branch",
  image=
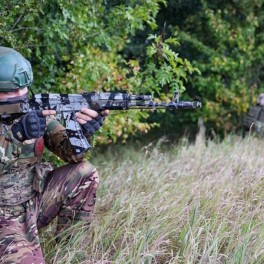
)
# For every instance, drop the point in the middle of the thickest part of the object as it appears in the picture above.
(27, 28)
(11, 30)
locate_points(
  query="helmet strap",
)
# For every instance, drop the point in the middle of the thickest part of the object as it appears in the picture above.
(31, 90)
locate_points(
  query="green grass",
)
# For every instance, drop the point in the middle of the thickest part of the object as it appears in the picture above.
(195, 203)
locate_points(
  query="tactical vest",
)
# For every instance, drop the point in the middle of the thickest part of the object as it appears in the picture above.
(254, 121)
(21, 174)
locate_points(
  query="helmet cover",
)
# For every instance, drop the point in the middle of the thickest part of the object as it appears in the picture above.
(15, 71)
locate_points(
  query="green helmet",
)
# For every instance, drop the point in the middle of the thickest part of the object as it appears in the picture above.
(15, 71)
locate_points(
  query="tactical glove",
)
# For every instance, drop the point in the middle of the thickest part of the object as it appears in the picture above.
(32, 125)
(92, 126)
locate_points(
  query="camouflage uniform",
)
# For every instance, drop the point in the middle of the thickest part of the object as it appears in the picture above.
(32, 194)
(254, 121)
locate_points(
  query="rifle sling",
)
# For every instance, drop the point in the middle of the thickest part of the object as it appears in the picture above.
(10, 109)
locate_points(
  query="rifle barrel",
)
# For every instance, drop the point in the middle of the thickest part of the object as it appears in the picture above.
(164, 105)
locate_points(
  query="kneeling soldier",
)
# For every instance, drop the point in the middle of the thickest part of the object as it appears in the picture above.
(32, 193)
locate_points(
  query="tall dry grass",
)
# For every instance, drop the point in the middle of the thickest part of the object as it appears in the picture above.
(197, 203)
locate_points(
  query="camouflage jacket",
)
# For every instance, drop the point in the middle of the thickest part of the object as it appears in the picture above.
(21, 170)
(254, 121)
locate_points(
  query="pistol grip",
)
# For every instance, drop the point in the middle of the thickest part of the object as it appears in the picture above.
(74, 132)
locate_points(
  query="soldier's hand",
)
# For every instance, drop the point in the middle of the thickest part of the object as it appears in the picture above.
(48, 112)
(90, 120)
(32, 125)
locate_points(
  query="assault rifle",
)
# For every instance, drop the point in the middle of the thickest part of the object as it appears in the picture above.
(67, 104)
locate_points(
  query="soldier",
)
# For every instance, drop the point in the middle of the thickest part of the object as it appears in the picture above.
(32, 193)
(254, 121)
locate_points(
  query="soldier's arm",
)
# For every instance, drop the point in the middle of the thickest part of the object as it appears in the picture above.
(56, 140)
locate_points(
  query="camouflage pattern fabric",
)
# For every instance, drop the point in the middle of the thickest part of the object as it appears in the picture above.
(19, 161)
(32, 194)
(56, 141)
(69, 193)
(254, 121)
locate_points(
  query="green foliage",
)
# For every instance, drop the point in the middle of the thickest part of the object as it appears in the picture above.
(226, 41)
(100, 45)
(164, 67)
(52, 32)
(54, 159)
(78, 46)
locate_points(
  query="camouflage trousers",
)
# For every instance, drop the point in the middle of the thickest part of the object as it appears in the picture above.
(69, 193)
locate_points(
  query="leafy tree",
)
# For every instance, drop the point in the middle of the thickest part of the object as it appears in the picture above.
(77, 46)
(52, 32)
(225, 39)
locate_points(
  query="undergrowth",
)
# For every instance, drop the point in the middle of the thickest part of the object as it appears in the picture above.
(194, 203)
